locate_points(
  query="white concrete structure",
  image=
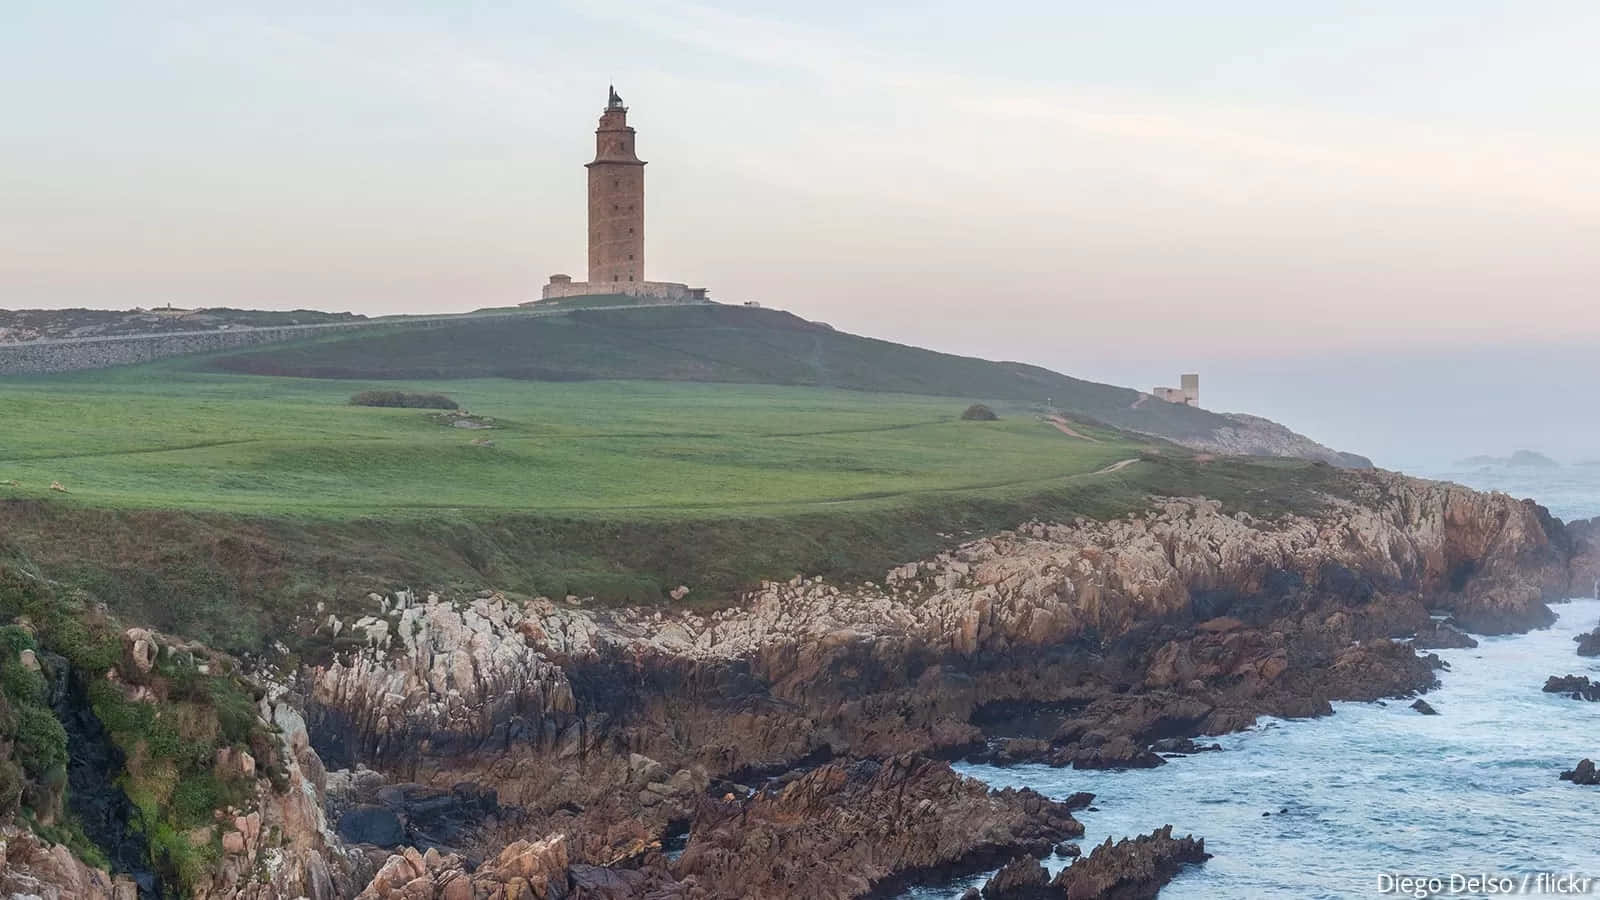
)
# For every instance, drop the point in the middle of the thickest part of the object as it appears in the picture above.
(1188, 394)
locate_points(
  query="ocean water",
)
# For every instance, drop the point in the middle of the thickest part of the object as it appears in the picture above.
(1324, 808)
(1570, 492)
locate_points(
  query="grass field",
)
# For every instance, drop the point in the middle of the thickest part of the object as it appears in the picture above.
(225, 507)
(159, 436)
(702, 343)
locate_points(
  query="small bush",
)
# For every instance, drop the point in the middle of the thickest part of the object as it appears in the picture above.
(41, 742)
(404, 400)
(977, 412)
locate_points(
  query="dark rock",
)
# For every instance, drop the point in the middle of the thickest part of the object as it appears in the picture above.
(606, 882)
(372, 824)
(1131, 869)
(1424, 707)
(1575, 686)
(1583, 773)
(1182, 746)
(94, 796)
(1021, 879)
(430, 817)
(1589, 644)
(971, 894)
(845, 827)
(1011, 751)
(1079, 800)
(1510, 608)
(1067, 851)
(1117, 753)
(1442, 636)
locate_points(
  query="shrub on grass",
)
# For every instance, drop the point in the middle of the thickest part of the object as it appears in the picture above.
(404, 400)
(977, 412)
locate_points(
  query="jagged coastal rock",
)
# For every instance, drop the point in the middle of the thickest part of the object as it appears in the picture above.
(491, 745)
(1248, 435)
(1583, 773)
(1187, 620)
(1132, 868)
(846, 829)
(1024, 878)
(1576, 687)
(1135, 868)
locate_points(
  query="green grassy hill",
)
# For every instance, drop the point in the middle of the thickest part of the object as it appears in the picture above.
(709, 344)
(227, 497)
(225, 506)
(154, 437)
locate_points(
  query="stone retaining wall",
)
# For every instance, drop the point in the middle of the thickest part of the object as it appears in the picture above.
(72, 354)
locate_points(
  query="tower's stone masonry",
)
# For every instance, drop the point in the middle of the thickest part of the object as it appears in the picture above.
(616, 201)
(616, 222)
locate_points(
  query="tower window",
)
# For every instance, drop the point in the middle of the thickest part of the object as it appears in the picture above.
(630, 277)
(618, 278)
(630, 257)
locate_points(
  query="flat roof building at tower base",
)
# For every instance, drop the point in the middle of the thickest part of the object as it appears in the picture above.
(561, 286)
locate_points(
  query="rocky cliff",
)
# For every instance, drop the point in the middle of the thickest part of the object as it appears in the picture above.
(550, 748)
(1247, 435)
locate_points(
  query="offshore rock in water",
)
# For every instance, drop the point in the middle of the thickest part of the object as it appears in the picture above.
(1583, 773)
(1442, 636)
(1589, 644)
(1132, 868)
(1424, 707)
(1024, 878)
(1182, 746)
(1575, 686)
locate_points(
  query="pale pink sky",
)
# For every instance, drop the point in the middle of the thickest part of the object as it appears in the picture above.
(1061, 183)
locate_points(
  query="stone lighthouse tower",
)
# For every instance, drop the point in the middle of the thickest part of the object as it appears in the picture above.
(616, 203)
(616, 224)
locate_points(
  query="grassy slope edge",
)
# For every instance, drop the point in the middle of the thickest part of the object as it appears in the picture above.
(239, 582)
(706, 343)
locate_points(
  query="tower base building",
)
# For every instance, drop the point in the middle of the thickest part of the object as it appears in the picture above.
(646, 291)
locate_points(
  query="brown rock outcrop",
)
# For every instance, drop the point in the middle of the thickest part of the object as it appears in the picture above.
(1583, 547)
(1024, 878)
(879, 669)
(33, 867)
(606, 724)
(844, 829)
(1131, 869)
(283, 846)
(523, 870)
(1583, 773)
